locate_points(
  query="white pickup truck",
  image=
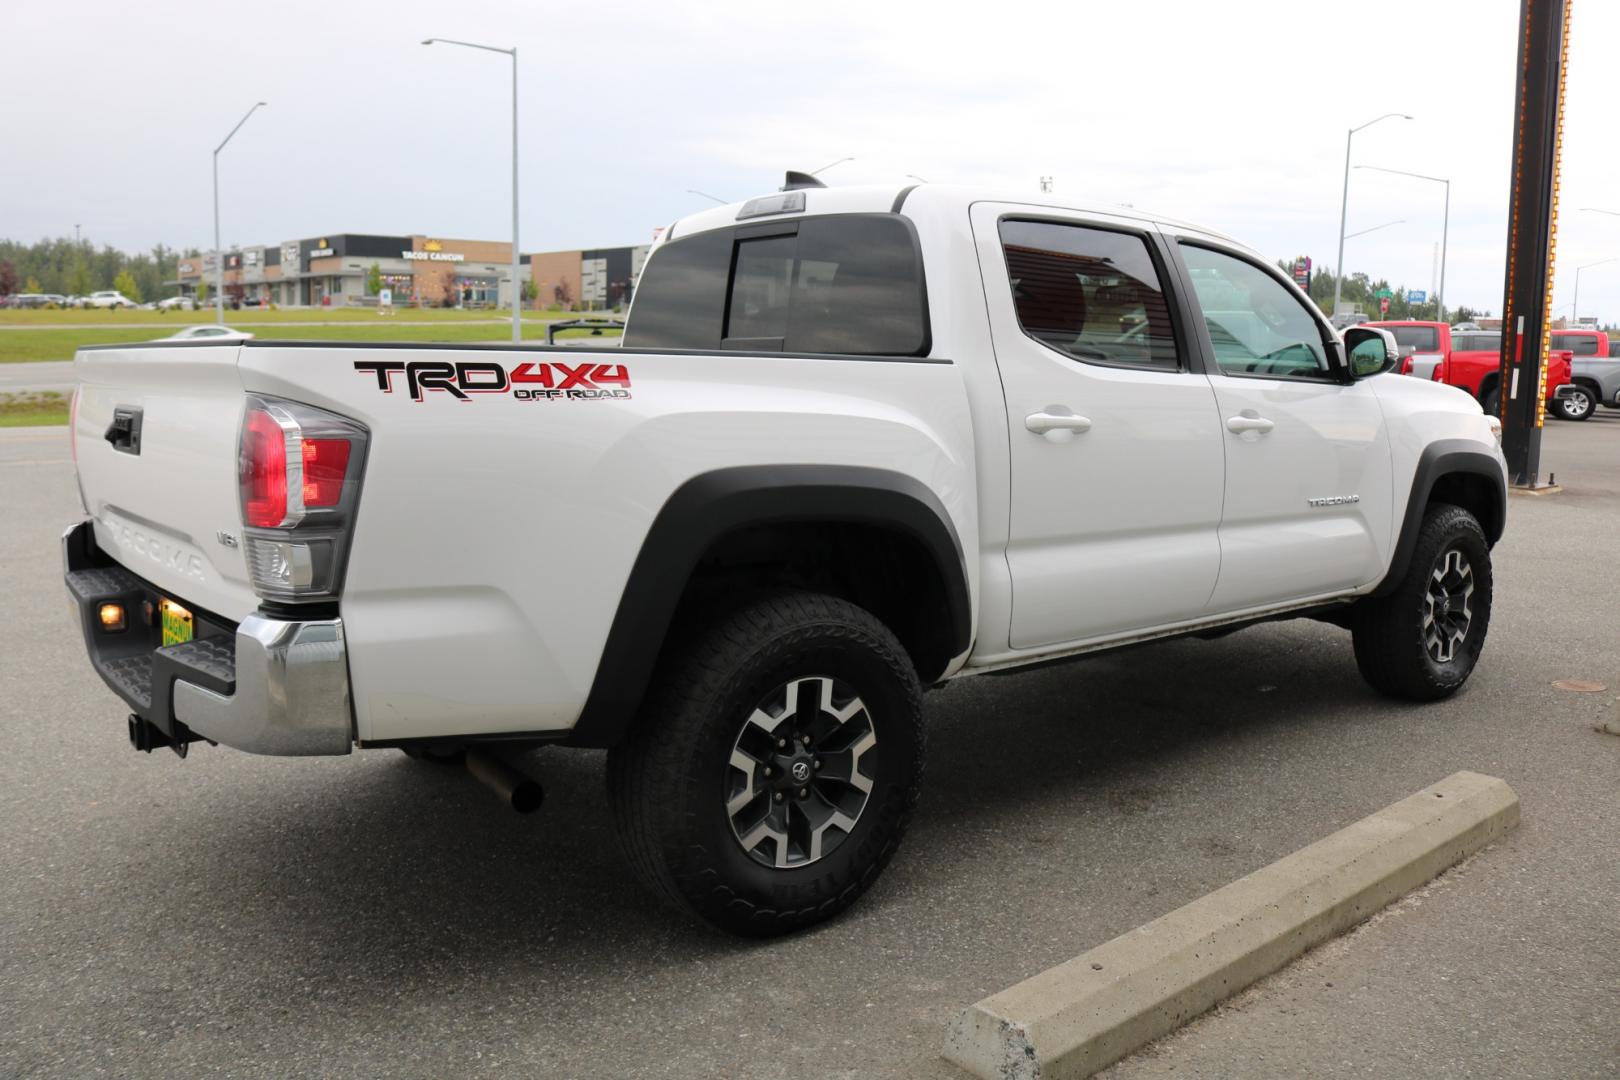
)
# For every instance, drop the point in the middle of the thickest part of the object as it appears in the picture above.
(855, 443)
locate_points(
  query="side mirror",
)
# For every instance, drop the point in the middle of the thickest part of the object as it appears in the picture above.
(1371, 350)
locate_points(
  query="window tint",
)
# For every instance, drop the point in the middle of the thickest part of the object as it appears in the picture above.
(681, 297)
(839, 284)
(1413, 339)
(1090, 293)
(1476, 342)
(1257, 326)
(858, 288)
(1580, 344)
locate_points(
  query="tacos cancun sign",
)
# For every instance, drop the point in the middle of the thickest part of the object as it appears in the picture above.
(433, 251)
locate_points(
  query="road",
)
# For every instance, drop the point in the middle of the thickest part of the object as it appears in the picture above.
(370, 916)
(33, 377)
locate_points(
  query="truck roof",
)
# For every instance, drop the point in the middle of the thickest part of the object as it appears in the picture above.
(891, 198)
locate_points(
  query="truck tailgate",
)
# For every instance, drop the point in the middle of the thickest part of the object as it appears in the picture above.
(164, 497)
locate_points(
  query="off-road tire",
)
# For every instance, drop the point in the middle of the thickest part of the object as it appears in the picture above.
(668, 782)
(1392, 650)
(1584, 409)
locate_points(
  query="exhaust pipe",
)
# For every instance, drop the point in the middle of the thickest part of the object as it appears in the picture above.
(519, 790)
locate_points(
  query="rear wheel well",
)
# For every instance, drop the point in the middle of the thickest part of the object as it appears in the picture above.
(1474, 493)
(885, 570)
(1488, 383)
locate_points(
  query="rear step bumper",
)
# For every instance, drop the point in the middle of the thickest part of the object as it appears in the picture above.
(275, 686)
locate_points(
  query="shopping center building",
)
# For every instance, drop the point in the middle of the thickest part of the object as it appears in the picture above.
(417, 270)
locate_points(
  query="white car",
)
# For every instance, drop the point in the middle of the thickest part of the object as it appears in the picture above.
(855, 443)
(208, 332)
(109, 298)
(177, 303)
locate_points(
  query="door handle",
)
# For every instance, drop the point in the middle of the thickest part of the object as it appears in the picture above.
(1249, 420)
(1057, 423)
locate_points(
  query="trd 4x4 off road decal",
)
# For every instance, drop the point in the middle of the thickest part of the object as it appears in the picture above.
(529, 381)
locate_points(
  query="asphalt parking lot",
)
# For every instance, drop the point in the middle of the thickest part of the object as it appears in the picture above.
(371, 916)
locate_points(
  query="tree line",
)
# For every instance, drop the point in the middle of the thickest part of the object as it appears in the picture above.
(72, 268)
(1361, 290)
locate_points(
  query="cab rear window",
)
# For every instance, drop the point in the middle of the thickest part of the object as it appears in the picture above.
(1413, 339)
(847, 284)
(1579, 344)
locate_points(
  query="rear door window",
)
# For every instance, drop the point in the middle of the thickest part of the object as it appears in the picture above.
(847, 284)
(1092, 294)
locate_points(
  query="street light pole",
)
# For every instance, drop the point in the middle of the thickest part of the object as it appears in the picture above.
(517, 282)
(219, 256)
(1575, 308)
(1344, 207)
(1445, 227)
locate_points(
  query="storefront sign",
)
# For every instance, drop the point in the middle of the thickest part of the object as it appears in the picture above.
(321, 250)
(433, 251)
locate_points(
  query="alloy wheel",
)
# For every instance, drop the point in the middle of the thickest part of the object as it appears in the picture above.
(1448, 609)
(801, 772)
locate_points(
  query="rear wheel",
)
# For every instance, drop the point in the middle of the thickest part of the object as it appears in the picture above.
(1579, 405)
(1491, 402)
(1420, 642)
(774, 766)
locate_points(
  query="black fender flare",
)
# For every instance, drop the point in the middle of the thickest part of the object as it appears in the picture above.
(1439, 459)
(706, 508)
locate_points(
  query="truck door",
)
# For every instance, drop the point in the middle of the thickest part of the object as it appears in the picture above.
(1308, 486)
(1116, 445)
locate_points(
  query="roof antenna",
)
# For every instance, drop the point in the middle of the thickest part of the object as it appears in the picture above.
(797, 181)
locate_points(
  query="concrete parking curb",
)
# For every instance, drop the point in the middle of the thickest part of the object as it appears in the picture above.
(1085, 1014)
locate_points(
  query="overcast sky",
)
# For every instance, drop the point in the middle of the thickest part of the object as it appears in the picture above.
(1232, 115)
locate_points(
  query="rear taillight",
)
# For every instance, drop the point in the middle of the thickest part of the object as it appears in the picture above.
(325, 462)
(299, 471)
(263, 470)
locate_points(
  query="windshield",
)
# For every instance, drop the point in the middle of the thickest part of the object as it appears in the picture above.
(1413, 339)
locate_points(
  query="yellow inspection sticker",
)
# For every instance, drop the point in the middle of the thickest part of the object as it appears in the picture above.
(178, 624)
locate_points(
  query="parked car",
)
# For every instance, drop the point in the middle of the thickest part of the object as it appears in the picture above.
(109, 298)
(808, 486)
(1595, 372)
(177, 303)
(208, 332)
(1470, 360)
(29, 300)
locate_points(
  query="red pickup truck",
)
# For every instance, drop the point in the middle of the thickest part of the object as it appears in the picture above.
(1470, 360)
